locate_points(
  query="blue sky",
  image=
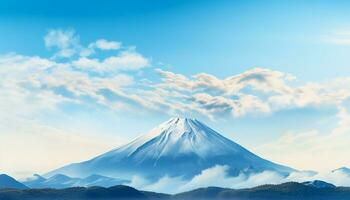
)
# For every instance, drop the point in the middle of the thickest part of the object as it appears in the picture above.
(288, 61)
(233, 36)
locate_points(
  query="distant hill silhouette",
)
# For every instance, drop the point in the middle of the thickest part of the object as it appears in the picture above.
(60, 181)
(285, 191)
(76, 193)
(9, 182)
(319, 184)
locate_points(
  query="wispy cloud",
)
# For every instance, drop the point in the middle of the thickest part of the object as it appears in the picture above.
(301, 147)
(256, 91)
(65, 41)
(341, 37)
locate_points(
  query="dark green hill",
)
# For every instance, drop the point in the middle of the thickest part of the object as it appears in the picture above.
(75, 193)
(285, 191)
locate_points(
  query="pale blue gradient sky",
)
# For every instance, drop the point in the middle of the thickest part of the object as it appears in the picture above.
(309, 40)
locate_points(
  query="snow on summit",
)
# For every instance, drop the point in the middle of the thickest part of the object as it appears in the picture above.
(183, 136)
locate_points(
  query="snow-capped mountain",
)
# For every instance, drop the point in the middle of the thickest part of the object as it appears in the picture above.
(178, 147)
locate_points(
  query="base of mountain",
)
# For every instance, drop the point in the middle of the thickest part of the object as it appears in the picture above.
(286, 191)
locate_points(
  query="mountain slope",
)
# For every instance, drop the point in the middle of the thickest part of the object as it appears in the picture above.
(9, 182)
(178, 147)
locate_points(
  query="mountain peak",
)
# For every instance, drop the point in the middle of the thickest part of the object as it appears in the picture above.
(179, 121)
(179, 126)
(182, 136)
(189, 143)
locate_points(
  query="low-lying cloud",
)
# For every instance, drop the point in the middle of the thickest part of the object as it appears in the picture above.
(217, 176)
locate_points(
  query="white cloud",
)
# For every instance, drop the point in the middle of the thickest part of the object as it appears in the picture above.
(166, 184)
(216, 176)
(126, 61)
(19, 90)
(61, 39)
(258, 79)
(139, 182)
(105, 45)
(333, 92)
(256, 91)
(241, 106)
(26, 78)
(66, 41)
(211, 96)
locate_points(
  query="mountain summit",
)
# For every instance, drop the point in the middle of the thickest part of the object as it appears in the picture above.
(178, 147)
